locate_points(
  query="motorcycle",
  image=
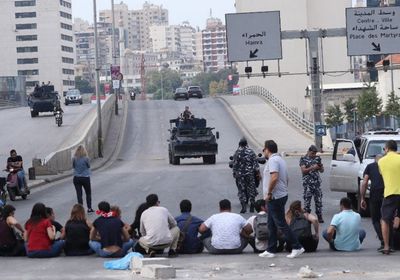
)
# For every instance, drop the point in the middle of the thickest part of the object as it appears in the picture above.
(133, 95)
(59, 118)
(3, 192)
(12, 185)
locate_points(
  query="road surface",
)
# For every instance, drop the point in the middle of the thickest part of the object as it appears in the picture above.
(38, 137)
(142, 168)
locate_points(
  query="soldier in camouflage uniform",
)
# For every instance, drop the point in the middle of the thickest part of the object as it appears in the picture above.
(245, 170)
(311, 166)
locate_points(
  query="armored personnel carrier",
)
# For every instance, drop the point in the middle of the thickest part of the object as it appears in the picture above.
(42, 100)
(191, 138)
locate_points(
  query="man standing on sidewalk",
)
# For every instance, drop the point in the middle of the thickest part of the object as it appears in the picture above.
(311, 166)
(275, 184)
(371, 173)
(245, 170)
(389, 167)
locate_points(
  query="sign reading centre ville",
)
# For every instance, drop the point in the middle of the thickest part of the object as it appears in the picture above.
(373, 30)
(254, 36)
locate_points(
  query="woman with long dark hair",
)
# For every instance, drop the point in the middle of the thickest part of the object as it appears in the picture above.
(40, 234)
(10, 245)
(76, 233)
(300, 223)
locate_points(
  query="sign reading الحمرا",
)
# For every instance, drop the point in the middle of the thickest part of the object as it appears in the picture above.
(254, 36)
(373, 30)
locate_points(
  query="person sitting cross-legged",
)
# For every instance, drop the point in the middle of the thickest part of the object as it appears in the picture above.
(189, 226)
(114, 241)
(226, 231)
(345, 233)
(158, 229)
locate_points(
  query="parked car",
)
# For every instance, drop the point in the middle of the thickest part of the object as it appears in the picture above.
(348, 164)
(195, 91)
(181, 93)
(73, 96)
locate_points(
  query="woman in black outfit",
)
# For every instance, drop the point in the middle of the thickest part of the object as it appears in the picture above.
(76, 233)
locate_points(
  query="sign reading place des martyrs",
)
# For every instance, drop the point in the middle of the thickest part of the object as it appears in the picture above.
(373, 30)
(254, 36)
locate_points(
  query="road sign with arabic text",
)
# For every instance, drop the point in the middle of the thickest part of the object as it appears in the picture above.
(254, 36)
(373, 30)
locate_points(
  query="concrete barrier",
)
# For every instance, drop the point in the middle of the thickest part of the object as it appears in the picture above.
(61, 160)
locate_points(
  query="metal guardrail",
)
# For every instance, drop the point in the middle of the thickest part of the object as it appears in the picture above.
(8, 104)
(304, 125)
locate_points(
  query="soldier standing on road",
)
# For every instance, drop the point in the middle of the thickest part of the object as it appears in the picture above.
(186, 114)
(311, 166)
(245, 170)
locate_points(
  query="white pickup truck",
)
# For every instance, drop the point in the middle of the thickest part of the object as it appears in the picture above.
(347, 166)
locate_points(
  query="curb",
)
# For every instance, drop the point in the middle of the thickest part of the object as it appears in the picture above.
(102, 163)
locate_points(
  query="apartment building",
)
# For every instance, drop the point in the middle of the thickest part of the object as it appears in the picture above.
(214, 46)
(165, 38)
(38, 42)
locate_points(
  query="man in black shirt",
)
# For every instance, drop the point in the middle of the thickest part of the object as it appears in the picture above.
(15, 162)
(114, 238)
(371, 173)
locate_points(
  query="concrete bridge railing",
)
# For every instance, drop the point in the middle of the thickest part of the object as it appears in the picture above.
(293, 117)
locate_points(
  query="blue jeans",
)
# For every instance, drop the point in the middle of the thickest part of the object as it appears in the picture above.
(362, 235)
(55, 250)
(21, 179)
(277, 221)
(96, 247)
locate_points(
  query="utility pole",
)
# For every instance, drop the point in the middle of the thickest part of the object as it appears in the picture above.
(313, 38)
(115, 91)
(96, 61)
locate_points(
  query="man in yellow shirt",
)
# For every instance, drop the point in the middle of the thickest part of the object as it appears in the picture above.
(389, 167)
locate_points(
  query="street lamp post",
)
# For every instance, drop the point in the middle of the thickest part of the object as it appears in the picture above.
(116, 91)
(96, 63)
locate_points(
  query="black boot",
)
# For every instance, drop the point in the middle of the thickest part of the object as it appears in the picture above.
(244, 208)
(252, 207)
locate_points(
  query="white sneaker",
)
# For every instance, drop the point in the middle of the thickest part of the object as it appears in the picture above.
(267, 254)
(295, 253)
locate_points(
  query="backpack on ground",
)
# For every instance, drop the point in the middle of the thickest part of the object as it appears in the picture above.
(260, 225)
(300, 226)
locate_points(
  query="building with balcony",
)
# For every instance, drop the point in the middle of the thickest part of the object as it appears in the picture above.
(214, 46)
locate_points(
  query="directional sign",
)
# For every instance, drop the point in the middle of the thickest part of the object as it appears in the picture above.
(320, 130)
(254, 36)
(373, 30)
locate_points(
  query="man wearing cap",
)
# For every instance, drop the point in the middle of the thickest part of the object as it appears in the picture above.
(245, 170)
(311, 166)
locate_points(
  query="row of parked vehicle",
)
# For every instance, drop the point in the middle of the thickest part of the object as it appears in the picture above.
(190, 92)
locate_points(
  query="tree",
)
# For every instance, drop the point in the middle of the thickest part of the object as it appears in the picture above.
(204, 80)
(349, 109)
(393, 105)
(213, 88)
(369, 104)
(83, 85)
(171, 80)
(334, 117)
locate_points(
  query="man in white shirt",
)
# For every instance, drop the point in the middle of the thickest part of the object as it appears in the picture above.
(158, 228)
(275, 184)
(226, 229)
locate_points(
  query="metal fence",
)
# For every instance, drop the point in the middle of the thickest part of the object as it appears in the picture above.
(12, 92)
(298, 121)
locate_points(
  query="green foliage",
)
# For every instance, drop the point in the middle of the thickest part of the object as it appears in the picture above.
(83, 85)
(171, 80)
(349, 107)
(369, 104)
(334, 116)
(204, 80)
(393, 105)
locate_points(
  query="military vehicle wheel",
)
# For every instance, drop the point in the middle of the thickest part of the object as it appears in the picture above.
(176, 161)
(209, 159)
(34, 114)
(170, 157)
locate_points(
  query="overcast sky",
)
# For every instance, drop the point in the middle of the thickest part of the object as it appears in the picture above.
(195, 11)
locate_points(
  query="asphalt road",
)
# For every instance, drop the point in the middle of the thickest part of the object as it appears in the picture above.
(37, 137)
(142, 168)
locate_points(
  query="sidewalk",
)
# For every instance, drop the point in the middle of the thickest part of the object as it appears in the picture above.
(111, 146)
(259, 121)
